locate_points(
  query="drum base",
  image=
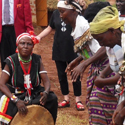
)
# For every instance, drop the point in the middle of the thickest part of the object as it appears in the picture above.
(37, 115)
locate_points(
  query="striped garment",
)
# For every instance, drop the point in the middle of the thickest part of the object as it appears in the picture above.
(101, 102)
(3, 108)
(116, 57)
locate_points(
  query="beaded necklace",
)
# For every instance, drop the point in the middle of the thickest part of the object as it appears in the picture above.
(25, 61)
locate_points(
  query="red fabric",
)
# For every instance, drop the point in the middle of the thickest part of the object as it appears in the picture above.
(6, 105)
(34, 39)
(122, 15)
(22, 17)
(5, 115)
(26, 73)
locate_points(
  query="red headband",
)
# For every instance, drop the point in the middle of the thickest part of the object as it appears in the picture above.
(30, 35)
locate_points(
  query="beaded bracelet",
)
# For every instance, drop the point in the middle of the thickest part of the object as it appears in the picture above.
(14, 98)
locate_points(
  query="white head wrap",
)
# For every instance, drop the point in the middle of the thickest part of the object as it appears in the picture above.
(21, 36)
(72, 5)
(63, 5)
(29, 35)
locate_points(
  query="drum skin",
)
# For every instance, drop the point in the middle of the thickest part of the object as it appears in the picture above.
(37, 115)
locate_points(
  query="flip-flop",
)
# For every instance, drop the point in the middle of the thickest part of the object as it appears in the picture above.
(79, 107)
(63, 105)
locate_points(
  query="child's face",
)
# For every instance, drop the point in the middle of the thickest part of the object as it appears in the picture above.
(82, 3)
(120, 5)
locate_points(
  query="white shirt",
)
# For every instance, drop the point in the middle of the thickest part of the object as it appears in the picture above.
(81, 27)
(116, 57)
(11, 2)
(121, 18)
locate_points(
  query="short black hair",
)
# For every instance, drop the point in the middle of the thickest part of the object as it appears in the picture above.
(93, 9)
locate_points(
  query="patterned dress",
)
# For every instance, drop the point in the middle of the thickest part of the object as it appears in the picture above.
(101, 102)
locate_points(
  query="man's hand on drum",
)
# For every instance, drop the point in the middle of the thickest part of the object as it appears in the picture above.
(22, 107)
(43, 98)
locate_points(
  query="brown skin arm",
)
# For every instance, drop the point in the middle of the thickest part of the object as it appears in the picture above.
(119, 114)
(73, 64)
(101, 80)
(3, 80)
(46, 84)
(45, 32)
(106, 72)
(79, 70)
(98, 55)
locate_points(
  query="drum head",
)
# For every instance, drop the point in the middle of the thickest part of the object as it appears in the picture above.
(37, 115)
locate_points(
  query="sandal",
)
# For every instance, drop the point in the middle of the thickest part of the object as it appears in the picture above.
(79, 107)
(64, 104)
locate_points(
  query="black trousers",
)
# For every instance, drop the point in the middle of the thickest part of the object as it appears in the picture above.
(62, 76)
(8, 43)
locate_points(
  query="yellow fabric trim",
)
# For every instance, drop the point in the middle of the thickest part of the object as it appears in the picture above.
(5, 118)
(3, 104)
(106, 18)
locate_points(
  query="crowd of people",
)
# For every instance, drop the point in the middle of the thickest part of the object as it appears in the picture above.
(84, 35)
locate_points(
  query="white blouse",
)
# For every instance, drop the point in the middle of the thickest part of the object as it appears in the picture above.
(81, 26)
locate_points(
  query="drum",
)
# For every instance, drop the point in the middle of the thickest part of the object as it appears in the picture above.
(37, 115)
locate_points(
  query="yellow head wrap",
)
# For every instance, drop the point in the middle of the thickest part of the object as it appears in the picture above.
(106, 18)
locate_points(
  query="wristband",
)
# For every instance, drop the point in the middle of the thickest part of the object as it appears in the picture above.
(46, 92)
(14, 98)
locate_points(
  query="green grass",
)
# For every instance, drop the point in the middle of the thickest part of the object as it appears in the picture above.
(100, 0)
(67, 119)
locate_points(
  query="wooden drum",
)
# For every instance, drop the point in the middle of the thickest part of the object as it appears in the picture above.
(37, 115)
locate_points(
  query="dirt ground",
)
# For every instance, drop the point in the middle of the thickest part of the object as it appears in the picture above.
(44, 48)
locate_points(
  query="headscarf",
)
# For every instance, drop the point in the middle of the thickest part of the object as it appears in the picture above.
(106, 18)
(73, 5)
(29, 35)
